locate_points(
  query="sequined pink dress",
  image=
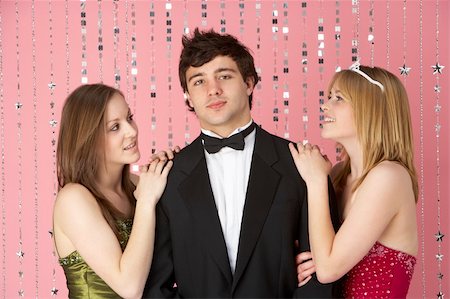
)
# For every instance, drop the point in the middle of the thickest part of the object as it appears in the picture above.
(382, 273)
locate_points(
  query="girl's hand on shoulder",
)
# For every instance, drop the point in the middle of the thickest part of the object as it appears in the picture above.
(310, 162)
(152, 180)
(164, 155)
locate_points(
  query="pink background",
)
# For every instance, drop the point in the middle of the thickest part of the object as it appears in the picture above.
(27, 171)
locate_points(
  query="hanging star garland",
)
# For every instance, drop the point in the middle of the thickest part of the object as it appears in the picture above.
(404, 70)
(437, 88)
(437, 68)
(439, 236)
(54, 291)
(440, 295)
(439, 257)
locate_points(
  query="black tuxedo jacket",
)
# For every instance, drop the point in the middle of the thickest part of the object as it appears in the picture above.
(190, 250)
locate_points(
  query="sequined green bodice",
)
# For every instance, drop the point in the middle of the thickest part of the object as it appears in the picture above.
(82, 281)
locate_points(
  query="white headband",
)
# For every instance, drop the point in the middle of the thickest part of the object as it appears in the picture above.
(355, 68)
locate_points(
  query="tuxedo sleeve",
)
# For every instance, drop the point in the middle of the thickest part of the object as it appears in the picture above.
(161, 280)
(314, 288)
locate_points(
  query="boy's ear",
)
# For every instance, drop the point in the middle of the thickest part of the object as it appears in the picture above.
(250, 82)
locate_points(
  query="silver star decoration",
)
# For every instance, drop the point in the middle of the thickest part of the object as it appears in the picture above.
(53, 123)
(437, 68)
(52, 104)
(51, 85)
(21, 274)
(54, 291)
(20, 253)
(437, 108)
(440, 276)
(438, 128)
(19, 125)
(440, 295)
(439, 257)
(404, 70)
(18, 105)
(439, 236)
(437, 88)
(21, 293)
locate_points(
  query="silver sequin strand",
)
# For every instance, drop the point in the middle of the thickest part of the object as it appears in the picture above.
(3, 173)
(116, 44)
(421, 156)
(52, 105)
(404, 69)
(100, 39)
(437, 71)
(35, 151)
(304, 68)
(169, 71)
(84, 72)
(275, 76)
(20, 253)
(286, 93)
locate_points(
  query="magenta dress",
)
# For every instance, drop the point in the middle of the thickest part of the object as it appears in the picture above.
(382, 273)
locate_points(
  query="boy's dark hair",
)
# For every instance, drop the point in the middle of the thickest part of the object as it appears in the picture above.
(204, 46)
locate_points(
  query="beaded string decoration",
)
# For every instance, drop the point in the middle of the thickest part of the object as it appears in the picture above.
(84, 72)
(256, 98)
(404, 69)
(437, 72)
(20, 253)
(133, 62)
(388, 33)
(66, 30)
(51, 86)
(371, 34)
(116, 40)
(421, 156)
(275, 110)
(304, 66)
(100, 39)
(35, 151)
(3, 173)
(321, 59)
(355, 40)
(241, 18)
(223, 20)
(153, 90)
(286, 94)
(204, 12)
(187, 134)
(169, 70)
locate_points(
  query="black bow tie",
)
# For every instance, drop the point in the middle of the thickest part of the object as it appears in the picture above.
(236, 141)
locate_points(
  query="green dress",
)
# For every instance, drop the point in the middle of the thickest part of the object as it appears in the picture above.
(82, 281)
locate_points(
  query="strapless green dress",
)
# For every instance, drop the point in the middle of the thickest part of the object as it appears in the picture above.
(82, 281)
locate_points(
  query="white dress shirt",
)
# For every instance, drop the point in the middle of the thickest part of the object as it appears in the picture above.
(229, 171)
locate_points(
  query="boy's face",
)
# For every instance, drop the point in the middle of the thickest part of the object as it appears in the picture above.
(219, 95)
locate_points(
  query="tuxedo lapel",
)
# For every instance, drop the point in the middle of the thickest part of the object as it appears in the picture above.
(262, 186)
(196, 190)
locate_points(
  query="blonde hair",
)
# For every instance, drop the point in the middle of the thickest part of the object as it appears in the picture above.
(81, 134)
(382, 120)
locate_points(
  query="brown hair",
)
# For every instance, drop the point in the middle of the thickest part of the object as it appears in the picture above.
(204, 46)
(80, 135)
(382, 119)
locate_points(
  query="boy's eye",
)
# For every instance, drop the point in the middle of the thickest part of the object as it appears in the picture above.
(198, 82)
(130, 117)
(115, 127)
